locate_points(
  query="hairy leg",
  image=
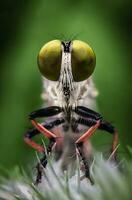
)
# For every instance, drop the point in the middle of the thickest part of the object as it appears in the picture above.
(43, 162)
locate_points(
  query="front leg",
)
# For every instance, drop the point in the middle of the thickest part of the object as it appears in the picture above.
(86, 112)
(33, 132)
(44, 112)
(85, 160)
(43, 162)
(105, 126)
(91, 119)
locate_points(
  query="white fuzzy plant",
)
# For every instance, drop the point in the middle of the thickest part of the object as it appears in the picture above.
(110, 183)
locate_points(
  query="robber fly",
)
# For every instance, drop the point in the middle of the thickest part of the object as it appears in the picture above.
(66, 67)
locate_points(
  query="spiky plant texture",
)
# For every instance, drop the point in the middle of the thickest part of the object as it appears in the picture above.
(112, 182)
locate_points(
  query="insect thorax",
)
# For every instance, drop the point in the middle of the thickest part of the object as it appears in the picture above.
(85, 94)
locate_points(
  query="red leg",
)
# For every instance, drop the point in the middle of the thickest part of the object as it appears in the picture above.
(43, 130)
(113, 155)
(115, 141)
(34, 145)
(88, 133)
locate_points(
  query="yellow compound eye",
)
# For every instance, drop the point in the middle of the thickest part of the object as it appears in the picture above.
(83, 60)
(49, 60)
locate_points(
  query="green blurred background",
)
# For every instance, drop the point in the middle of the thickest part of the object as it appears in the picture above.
(25, 26)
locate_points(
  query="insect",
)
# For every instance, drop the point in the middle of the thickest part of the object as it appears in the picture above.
(66, 67)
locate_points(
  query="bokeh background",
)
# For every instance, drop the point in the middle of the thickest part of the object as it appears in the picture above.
(25, 26)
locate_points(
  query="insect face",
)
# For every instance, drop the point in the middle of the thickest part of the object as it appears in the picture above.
(82, 59)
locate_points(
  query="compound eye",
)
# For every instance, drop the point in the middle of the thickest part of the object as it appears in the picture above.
(49, 60)
(83, 60)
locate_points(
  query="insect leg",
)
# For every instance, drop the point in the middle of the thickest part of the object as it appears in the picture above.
(104, 125)
(33, 132)
(85, 161)
(86, 112)
(44, 112)
(88, 133)
(43, 162)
